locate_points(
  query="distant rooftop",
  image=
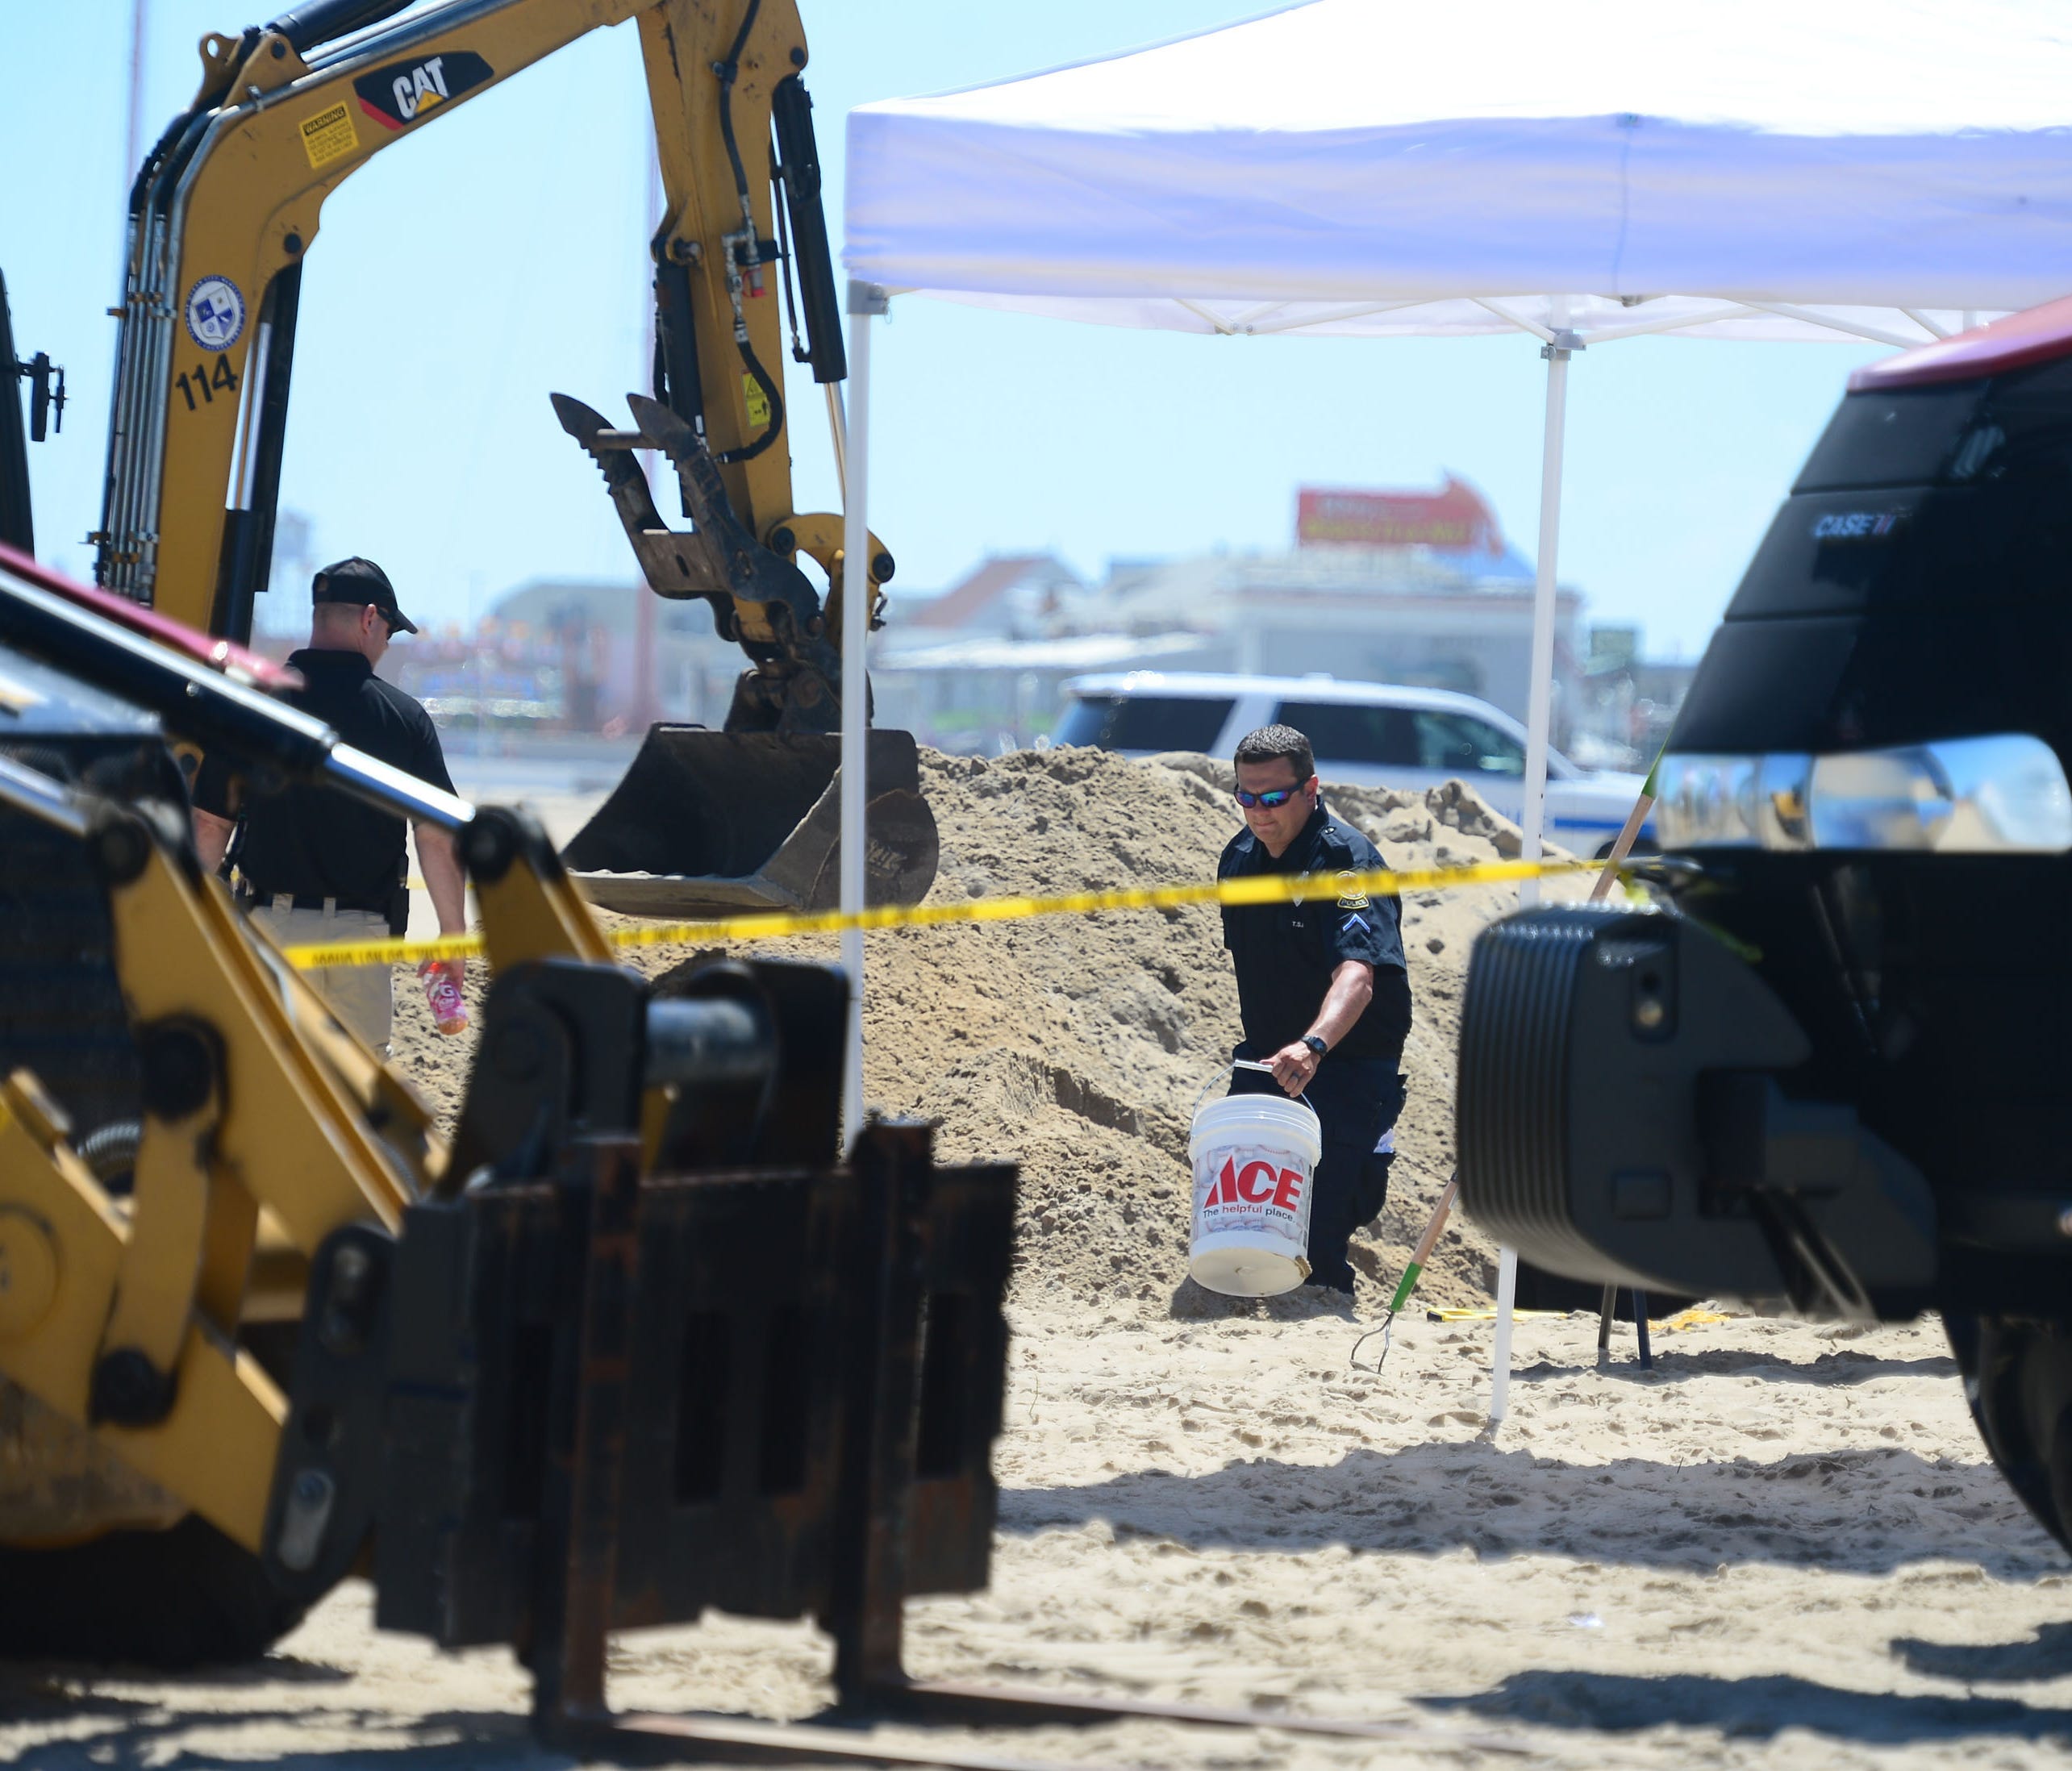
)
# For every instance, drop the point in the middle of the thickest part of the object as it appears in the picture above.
(992, 578)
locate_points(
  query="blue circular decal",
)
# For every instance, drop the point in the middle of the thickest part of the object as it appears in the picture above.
(215, 313)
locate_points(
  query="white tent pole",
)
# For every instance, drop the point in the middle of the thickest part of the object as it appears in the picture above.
(1539, 717)
(866, 300)
(838, 433)
(1506, 1304)
(1540, 703)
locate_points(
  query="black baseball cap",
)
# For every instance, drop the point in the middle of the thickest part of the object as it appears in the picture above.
(361, 581)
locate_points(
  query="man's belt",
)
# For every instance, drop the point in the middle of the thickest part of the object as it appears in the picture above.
(309, 900)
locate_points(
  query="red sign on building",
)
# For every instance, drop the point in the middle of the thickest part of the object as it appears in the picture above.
(1454, 517)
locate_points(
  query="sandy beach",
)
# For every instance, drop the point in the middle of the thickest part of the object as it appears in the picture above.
(1781, 1548)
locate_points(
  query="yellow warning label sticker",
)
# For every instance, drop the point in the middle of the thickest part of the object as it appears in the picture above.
(329, 136)
(758, 403)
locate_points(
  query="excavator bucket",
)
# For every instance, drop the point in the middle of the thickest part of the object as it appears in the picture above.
(714, 823)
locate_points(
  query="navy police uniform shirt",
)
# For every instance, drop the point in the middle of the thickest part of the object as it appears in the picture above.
(313, 841)
(1285, 953)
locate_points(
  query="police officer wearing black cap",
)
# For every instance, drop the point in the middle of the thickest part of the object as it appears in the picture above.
(315, 866)
(1322, 989)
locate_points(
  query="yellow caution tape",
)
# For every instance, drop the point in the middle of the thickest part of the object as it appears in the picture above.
(1489, 1315)
(1694, 1317)
(1683, 1319)
(1253, 889)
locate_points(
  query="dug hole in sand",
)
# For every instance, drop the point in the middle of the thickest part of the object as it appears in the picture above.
(1782, 1548)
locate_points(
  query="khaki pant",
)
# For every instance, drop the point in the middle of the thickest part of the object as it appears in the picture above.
(358, 994)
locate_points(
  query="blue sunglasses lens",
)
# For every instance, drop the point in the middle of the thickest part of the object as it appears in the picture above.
(1279, 796)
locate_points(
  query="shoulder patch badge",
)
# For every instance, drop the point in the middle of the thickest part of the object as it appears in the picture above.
(1350, 896)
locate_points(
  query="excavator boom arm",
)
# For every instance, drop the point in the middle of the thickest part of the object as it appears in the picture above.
(230, 202)
(227, 206)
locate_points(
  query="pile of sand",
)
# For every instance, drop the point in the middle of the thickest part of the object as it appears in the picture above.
(1077, 1046)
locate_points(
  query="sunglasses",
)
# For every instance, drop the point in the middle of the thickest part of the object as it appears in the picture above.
(1272, 797)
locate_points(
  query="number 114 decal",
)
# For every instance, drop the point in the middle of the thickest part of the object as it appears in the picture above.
(206, 382)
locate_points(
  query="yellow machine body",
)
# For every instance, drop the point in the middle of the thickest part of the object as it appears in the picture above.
(224, 214)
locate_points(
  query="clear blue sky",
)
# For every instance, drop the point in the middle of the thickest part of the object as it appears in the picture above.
(500, 254)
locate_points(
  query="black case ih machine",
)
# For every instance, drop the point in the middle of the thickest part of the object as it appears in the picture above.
(1832, 1072)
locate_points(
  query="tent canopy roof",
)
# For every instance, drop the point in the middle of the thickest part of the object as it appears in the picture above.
(1373, 166)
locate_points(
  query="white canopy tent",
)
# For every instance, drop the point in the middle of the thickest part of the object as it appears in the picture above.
(1773, 169)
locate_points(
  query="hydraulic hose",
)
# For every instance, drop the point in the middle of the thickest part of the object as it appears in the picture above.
(767, 382)
(728, 71)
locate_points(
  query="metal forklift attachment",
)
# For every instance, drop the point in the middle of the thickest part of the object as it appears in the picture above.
(587, 1391)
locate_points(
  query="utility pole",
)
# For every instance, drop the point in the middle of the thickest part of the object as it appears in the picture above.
(133, 141)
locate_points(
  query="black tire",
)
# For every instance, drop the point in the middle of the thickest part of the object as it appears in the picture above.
(2018, 1380)
(184, 1597)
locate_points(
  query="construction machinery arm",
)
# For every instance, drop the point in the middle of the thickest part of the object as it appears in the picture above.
(221, 215)
(741, 178)
(229, 206)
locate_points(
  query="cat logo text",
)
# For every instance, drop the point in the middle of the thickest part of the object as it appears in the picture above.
(405, 91)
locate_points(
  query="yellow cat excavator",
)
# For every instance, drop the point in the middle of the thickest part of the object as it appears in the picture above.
(226, 208)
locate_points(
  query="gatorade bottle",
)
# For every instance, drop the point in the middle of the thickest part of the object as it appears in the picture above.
(442, 993)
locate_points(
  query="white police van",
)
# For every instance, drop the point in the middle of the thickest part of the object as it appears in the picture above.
(1367, 733)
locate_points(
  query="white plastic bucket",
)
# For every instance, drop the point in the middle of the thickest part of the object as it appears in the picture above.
(1255, 1157)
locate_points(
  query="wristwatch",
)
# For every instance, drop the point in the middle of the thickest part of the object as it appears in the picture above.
(1316, 1044)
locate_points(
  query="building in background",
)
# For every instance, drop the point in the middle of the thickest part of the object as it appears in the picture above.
(1007, 596)
(1415, 587)
(1419, 588)
(583, 635)
(560, 655)
(979, 666)
(983, 695)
